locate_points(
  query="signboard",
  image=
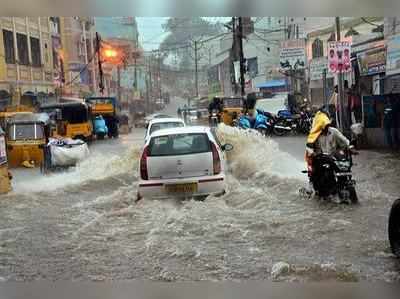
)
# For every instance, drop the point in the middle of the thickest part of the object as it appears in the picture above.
(339, 57)
(317, 67)
(3, 153)
(372, 62)
(393, 55)
(293, 54)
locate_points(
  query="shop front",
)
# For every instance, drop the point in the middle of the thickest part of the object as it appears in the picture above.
(381, 115)
(370, 67)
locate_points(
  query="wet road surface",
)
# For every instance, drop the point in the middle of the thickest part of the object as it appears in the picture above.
(84, 225)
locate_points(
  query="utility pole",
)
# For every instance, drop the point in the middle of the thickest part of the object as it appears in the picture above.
(324, 86)
(135, 73)
(119, 82)
(241, 57)
(340, 82)
(101, 76)
(159, 73)
(196, 70)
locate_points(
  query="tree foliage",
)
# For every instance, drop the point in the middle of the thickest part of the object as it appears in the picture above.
(182, 32)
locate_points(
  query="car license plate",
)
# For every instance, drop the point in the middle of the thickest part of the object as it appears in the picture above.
(181, 188)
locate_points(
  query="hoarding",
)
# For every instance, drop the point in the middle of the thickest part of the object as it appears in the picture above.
(339, 53)
(393, 55)
(372, 62)
(317, 66)
(293, 54)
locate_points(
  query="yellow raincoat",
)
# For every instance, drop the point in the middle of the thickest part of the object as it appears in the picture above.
(321, 120)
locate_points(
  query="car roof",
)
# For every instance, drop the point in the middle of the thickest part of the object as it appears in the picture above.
(181, 130)
(166, 120)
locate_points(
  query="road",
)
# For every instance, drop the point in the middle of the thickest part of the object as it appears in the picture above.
(84, 224)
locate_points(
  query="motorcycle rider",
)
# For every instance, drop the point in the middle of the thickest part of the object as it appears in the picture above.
(323, 138)
(215, 105)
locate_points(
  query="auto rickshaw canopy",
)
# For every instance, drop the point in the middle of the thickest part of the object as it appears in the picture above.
(73, 112)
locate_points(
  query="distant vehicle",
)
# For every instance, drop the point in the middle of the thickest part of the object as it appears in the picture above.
(394, 228)
(72, 119)
(272, 105)
(183, 163)
(148, 118)
(106, 107)
(100, 127)
(163, 123)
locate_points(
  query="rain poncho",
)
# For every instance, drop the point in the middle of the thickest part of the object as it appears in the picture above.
(321, 120)
(327, 143)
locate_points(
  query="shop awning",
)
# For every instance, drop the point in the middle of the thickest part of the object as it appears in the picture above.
(272, 83)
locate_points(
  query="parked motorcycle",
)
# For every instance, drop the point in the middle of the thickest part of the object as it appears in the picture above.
(331, 175)
(394, 228)
(284, 123)
(304, 121)
(260, 123)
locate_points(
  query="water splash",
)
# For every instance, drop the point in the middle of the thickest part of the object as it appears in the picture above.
(96, 167)
(255, 155)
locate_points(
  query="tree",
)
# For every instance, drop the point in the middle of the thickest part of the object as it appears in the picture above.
(182, 32)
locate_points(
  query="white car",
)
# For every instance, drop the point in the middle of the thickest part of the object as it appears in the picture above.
(183, 162)
(163, 123)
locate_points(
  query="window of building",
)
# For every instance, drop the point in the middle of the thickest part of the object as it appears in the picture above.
(22, 44)
(35, 51)
(8, 39)
(317, 48)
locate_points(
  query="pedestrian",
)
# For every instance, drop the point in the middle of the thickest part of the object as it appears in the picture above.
(333, 106)
(388, 123)
(179, 112)
(355, 105)
(347, 105)
(185, 112)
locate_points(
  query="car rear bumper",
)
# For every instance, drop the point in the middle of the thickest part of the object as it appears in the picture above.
(208, 185)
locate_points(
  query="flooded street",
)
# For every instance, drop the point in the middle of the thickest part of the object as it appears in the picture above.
(84, 224)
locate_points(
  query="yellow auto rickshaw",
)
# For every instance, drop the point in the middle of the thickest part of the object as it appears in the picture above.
(5, 176)
(72, 120)
(26, 138)
(232, 108)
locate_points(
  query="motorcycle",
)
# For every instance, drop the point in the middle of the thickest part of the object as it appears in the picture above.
(304, 122)
(331, 175)
(260, 123)
(284, 123)
(214, 120)
(394, 228)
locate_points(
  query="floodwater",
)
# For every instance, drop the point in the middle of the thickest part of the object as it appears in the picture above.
(84, 224)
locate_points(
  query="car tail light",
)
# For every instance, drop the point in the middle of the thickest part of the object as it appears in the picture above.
(216, 159)
(143, 164)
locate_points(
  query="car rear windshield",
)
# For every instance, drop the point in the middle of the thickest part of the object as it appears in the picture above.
(179, 144)
(167, 125)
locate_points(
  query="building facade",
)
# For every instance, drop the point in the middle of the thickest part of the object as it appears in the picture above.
(76, 59)
(26, 60)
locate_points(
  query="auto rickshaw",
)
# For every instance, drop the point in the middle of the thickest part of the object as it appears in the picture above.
(26, 136)
(72, 120)
(232, 108)
(5, 176)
